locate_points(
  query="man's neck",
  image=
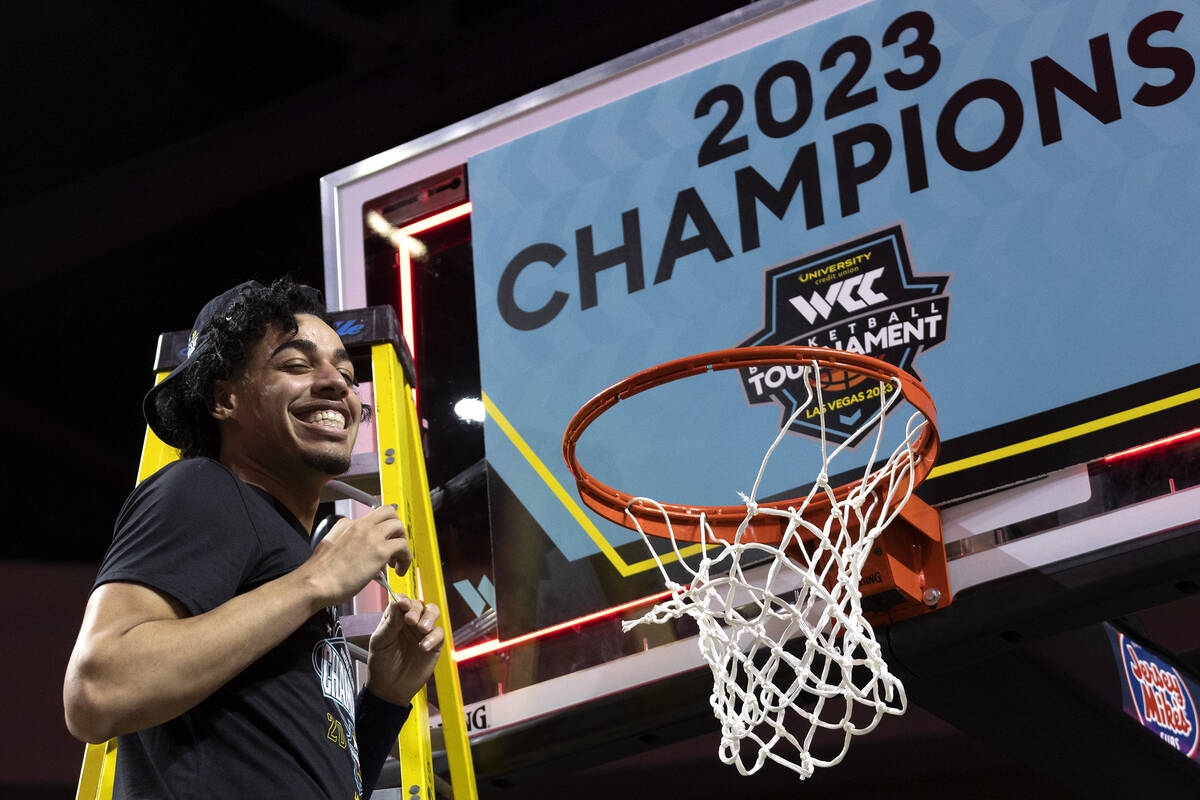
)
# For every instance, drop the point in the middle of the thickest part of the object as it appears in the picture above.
(299, 494)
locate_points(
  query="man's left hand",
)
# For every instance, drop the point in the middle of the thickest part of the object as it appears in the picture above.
(403, 650)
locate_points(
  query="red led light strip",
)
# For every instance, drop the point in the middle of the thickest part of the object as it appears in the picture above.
(1143, 448)
(483, 648)
(404, 263)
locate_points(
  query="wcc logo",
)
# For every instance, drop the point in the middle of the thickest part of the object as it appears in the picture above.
(1161, 698)
(860, 296)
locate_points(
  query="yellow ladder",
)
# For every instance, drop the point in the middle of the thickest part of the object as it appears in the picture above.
(403, 482)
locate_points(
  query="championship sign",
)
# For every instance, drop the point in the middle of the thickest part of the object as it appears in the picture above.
(998, 198)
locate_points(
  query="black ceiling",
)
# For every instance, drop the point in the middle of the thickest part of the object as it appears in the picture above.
(156, 153)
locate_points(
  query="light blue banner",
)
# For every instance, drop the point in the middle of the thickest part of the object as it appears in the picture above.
(1039, 159)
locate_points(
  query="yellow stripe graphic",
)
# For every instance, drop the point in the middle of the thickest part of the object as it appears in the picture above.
(626, 569)
(1066, 433)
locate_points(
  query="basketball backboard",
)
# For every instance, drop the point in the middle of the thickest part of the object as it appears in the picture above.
(995, 198)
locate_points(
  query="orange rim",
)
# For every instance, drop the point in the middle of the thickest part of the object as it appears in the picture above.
(612, 504)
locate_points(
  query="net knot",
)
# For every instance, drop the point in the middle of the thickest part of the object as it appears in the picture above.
(750, 503)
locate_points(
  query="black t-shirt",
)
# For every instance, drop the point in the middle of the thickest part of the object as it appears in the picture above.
(285, 726)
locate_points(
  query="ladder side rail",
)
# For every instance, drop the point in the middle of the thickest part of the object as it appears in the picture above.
(446, 680)
(417, 513)
(397, 487)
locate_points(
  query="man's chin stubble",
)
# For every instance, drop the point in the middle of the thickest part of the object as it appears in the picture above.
(328, 463)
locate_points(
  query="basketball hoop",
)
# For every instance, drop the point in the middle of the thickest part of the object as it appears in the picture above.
(818, 546)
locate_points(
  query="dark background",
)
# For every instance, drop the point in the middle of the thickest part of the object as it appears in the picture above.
(154, 154)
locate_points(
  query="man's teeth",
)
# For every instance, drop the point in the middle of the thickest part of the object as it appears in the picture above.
(332, 419)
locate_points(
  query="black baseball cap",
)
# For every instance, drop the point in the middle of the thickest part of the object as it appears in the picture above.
(198, 344)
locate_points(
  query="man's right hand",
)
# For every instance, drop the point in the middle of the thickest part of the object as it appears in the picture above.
(354, 552)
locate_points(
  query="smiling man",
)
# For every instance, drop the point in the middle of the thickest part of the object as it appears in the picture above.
(208, 647)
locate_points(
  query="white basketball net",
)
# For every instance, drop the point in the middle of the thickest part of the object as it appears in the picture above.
(771, 701)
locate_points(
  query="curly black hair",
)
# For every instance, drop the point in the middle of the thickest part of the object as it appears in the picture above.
(185, 405)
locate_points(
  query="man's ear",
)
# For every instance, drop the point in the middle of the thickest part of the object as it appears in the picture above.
(224, 400)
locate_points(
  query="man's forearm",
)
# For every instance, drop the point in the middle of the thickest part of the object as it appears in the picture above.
(137, 664)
